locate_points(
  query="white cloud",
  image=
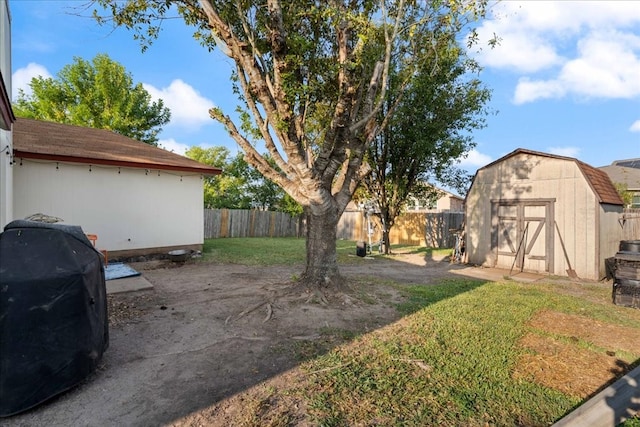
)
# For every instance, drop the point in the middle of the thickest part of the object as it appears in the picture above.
(517, 51)
(635, 127)
(581, 48)
(527, 90)
(188, 107)
(22, 77)
(475, 159)
(173, 146)
(564, 151)
(608, 66)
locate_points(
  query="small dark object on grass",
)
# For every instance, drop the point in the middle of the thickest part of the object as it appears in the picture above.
(179, 255)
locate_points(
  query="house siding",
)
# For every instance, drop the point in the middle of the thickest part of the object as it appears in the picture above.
(128, 208)
(6, 143)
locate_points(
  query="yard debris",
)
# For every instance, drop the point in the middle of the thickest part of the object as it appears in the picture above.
(418, 362)
(40, 217)
(331, 368)
(125, 309)
(269, 313)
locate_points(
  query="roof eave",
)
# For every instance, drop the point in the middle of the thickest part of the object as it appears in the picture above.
(208, 171)
(6, 113)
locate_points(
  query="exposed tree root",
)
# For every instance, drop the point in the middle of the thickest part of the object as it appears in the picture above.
(252, 309)
(331, 292)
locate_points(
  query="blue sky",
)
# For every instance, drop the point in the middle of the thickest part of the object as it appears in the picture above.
(565, 77)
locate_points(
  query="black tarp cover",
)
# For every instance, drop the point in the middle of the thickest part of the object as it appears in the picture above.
(53, 312)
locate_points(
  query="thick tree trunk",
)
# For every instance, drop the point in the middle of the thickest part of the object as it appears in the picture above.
(387, 224)
(321, 272)
(386, 241)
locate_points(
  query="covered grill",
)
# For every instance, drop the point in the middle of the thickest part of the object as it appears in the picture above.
(53, 312)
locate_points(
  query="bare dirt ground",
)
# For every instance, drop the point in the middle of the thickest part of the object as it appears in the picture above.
(196, 348)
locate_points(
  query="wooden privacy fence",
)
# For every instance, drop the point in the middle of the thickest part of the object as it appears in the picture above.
(249, 223)
(417, 229)
(630, 219)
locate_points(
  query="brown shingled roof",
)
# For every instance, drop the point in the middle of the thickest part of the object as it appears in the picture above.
(598, 180)
(36, 139)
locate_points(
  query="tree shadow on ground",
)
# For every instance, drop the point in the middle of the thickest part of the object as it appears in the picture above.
(186, 348)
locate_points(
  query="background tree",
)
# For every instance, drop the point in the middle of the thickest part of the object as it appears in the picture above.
(225, 191)
(625, 194)
(427, 135)
(312, 77)
(240, 186)
(98, 94)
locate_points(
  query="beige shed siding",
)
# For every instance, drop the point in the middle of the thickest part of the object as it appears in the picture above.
(525, 177)
(611, 232)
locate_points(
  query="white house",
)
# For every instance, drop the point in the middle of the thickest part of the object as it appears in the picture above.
(136, 198)
(6, 117)
(627, 173)
(445, 202)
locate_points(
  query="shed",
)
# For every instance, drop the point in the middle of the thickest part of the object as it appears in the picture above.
(543, 213)
(138, 199)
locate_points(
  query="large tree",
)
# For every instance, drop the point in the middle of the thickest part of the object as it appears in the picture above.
(312, 76)
(429, 132)
(98, 94)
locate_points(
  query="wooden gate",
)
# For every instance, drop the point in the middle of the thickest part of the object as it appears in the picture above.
(522, 234)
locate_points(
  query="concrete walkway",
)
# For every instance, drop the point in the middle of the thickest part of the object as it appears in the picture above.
(497, 274)
(128, 284)
(612, 406)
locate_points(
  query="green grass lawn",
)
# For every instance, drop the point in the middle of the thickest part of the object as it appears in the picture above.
(449, 360)
(286, 250)
(270, 251)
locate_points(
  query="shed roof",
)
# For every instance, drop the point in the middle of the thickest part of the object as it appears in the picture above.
(598, 180)
(36, 139)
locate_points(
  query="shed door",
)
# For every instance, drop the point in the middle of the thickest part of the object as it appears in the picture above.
(522, 237)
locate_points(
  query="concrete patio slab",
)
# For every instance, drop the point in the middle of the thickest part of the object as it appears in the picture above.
(496, 274)
(128, 284)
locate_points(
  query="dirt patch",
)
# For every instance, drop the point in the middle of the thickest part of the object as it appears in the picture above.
(565, 367)
(575, 354)
(220, 344)
(609, 337)
(198, 348)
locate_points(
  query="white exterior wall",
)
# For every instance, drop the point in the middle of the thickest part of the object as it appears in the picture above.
(522, 177)
(6, 180)
(6, 144)
(127, 208)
